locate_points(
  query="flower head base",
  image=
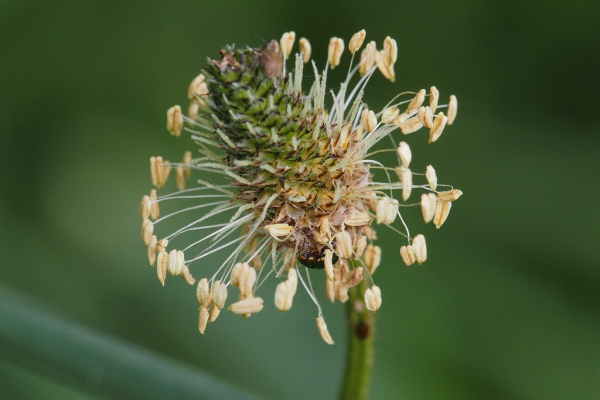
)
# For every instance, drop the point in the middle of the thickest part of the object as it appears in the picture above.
(301, 185)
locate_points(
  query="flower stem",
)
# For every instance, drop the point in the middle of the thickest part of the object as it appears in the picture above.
(359, 362)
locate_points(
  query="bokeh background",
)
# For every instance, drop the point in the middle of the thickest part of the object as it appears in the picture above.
(506, 307)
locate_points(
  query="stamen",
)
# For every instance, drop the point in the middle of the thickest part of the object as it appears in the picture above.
(305, 50)
(357, 41)
(334, 53)
(174, 121)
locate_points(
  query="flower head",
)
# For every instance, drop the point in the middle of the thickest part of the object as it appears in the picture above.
(301, 184)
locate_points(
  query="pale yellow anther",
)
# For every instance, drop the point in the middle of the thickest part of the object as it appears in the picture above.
(373, 298)
(203, 319)
(416, 102)
(329, 264)
(187, 158)
(361, 245)
(372, 257)
(323, 330)
(389, 114)
(162, 245)
(425, 116)
(434, 96)
(442, 209)
(171, 262)
(197, 87)
(305, 49)
(357, 40)
(431, 177)
(382, 210)
(159, 169)
(278, 231)
(334, 52)
(438, 127)
(370, 233)
(405, 176)
(186, 275)
(426, 207)
(179, 263)
(390, 49)
(450, 195)
(352, 278)
(247, 306)
(358, 218)
(406, 252)
(247, 280)
(219, 294)
(384, 66)
(154, 208)
(419, 248)
(238, 270)
(341, 293)
(411, 125)
(404, 153)
(161, 266)
(284, 296)
(452, 108)
(203, 293)
(400, 120)
(368, 58)
(293, 280)
(193, 110)
(147, 231)
(180, 177)
(214, 313)
(369, 120)
(155, 165)
(174, 120)
(286, 43)
(343, 244)
(145, 207)
(330, 290)
(152, 250)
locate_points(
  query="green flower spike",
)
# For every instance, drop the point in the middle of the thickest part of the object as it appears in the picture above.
(298, 177)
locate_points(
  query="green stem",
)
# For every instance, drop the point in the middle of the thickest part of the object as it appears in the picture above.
(359, 362)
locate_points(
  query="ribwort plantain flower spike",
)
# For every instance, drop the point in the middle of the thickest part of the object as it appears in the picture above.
(296, 186)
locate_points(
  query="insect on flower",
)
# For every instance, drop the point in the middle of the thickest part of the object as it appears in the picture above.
(294, 182)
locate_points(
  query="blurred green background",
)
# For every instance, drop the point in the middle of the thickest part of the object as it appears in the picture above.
(506, 307)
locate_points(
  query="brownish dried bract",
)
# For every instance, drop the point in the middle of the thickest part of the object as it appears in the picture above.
(272, 59)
